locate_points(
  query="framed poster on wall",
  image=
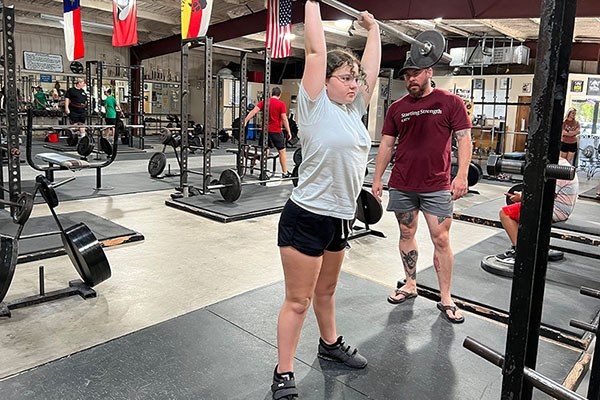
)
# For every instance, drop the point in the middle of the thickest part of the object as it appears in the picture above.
(593, 88)
(577, 86)
(35, 61)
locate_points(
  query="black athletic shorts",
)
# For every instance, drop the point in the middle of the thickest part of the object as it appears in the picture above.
(110, 121)
(276, 140)
(75, 117)
(568, 147)
(311, 233)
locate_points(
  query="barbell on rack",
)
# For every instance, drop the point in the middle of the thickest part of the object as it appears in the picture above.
(230, 184)
(426, 50)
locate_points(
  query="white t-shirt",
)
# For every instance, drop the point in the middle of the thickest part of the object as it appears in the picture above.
(335, 149)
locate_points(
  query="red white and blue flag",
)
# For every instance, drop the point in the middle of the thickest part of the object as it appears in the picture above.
(73, 34)
(279, 28)
(125, 23)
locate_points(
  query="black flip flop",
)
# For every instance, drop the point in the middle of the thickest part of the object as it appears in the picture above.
(452, 308)
(407, 295)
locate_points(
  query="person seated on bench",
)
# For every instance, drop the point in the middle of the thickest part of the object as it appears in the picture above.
(564, 202)
(277, 116)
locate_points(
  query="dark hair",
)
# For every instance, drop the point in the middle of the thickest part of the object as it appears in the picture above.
(276, 92)
(339, 58)
(108, 91)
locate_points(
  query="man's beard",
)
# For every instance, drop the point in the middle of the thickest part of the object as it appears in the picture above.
(417, 93)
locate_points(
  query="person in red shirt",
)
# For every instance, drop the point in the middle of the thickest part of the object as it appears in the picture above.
(277, 116)
(423, 122)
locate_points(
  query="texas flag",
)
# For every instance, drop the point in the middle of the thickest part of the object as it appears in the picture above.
(195, 18)
(73, 34)
(125, 23)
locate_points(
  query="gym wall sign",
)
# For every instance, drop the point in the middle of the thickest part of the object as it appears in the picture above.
(34, 61)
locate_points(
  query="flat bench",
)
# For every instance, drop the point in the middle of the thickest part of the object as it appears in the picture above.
(64, 161)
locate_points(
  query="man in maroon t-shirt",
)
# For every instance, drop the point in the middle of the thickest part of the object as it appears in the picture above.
(277, 116)
(423, 122)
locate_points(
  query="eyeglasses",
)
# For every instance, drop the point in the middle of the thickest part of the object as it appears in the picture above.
(347, 79)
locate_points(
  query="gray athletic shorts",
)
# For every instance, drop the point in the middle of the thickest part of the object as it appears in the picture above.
(439, 203)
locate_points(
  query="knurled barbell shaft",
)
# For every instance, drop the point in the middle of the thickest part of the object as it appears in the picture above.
(9, 203)
(221, 186)
(426, 47)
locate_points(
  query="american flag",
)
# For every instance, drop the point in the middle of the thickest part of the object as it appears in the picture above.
(279, 28)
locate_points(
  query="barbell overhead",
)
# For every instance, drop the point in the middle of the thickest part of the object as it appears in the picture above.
(427, 49)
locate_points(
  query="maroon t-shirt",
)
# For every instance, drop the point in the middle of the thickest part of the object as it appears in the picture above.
(424, 129)
(276, 108)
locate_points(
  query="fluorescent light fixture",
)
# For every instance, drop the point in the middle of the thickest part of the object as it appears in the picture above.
(330, 29)
(58, 18)
(343, 24)
(422, 22)
(438, 20)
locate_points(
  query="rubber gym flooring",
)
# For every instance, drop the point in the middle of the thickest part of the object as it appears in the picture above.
(562, 301)
(256, 201)
(590, 194)
(227, 351)
(107, 232)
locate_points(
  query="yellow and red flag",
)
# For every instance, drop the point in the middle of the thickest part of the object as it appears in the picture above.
(195, 18)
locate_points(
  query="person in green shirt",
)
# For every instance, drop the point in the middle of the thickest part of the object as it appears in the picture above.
(39, 99)
(111, 107)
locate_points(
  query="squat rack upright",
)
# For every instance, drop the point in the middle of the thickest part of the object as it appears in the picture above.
(10, 129)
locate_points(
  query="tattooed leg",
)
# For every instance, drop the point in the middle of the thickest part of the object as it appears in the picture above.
(407, 221)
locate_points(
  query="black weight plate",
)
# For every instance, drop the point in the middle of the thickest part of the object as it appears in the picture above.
(298, 156)
(453, 171)
(105, 146)
(47, 191)
(76, 67)
(223, 136)
(438, 44)
(295, 173)
(474, 176)
(516, 188)
(157, 164)
(588, 152)
(8, 262)
(165, 136)
(368, 209)
(72, 138)
(86, 253)
(233, 189)
(22, 213)
(85, 147)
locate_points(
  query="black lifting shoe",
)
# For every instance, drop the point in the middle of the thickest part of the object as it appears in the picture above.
(341, 353)
(284, 386)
